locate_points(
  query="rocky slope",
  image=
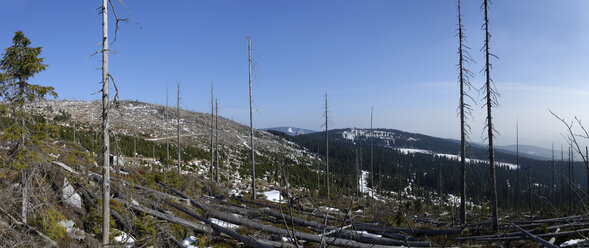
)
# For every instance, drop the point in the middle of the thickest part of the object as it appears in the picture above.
(148, 121)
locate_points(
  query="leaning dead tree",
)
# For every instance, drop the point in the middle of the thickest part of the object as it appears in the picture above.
(464, 109)
(249, 53)
(491, 101)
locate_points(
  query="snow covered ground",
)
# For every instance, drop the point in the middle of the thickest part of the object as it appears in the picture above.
(573, 242)
(364, 185)
(189, 242)
(273, 196)
(125, 238)
(455, 157)
(224, 224)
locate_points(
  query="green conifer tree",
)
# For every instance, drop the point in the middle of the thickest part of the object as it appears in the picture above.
(18, 65)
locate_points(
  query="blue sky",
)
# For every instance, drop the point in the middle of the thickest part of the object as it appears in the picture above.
(398, 56)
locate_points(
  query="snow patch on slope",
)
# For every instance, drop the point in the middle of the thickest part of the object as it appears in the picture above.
(455, 157)
(273, 196)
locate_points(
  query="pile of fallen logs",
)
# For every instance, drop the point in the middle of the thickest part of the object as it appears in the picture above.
(551, 229)
(263, 218)
(280, 226)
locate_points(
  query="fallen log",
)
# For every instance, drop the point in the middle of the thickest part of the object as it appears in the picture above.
(433, 232)
(89, 196)
(27, 228)
(170, 236)
(233, 234)
(555, 234)
(314, 214)
(341, 233)
(170, 218)
(267, 228)
(556, 227)
(535, 238)
(370, 227)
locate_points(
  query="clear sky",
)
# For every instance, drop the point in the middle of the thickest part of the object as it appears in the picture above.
(398, 56)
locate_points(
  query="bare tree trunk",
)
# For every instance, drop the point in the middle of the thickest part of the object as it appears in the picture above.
(24, 181)
(562, 188)
(166, 132)
(134, 147)
(490, 102)
(25, 194)
(212, 133)
(440, 195)
(360, 167)
(553, 178)
(105, 132)
(318, 174)
(530, 192)
(587, 166)
(463, 107)
(371, 155)
(249, 52)
(74, 128)
(357, 163)
(178, 126)
(217, 140)
(570, 182)
(93, 142)
(518, 167)
(326, 149)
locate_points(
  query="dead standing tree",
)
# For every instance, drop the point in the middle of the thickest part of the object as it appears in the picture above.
(371, 155)
(105, 138)
(490, 102)
(464, 109)
(212, 133)
(103, 9)
(249, 53)
(553, 178)
(217, 140)
(517, 187)
(166, 131)
(178, 126)
(575, 147)
(326, 149)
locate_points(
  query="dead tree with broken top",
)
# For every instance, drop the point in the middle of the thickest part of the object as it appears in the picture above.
(249, 52)
(105, 116)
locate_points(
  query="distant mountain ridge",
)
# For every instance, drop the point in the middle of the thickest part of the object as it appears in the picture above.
(394, 138)
(292, 131)
(530, 151)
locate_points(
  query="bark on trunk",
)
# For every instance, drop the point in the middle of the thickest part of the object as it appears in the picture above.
(105, 132)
